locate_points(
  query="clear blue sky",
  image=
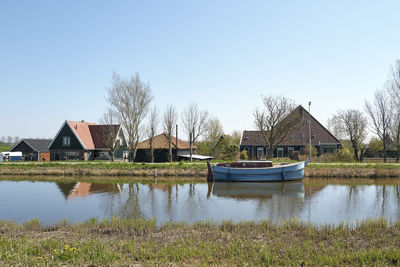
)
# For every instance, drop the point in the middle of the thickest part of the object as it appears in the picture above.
(57, 57)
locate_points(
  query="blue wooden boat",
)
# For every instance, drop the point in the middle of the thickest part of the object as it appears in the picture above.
(256, 171)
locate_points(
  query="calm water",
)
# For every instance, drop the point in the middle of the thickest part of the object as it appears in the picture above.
(318, 202)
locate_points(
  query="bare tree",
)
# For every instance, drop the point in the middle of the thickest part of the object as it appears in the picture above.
(380, 114)
(213, 130)
(194, 123)
(210, 145)
(169, 121)
(352, 124)
(394, 81)
(395, 129)
(336, 128)
(275, 120)
(16, 139)
(393, 87)
(152, 129)
(9, 139)
(109, 133)
(130, 99)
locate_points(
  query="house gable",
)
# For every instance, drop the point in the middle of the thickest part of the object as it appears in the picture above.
(23, 147)
(298, 136)
(57, 142)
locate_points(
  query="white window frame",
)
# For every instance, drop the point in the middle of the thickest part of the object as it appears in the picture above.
(66, 141)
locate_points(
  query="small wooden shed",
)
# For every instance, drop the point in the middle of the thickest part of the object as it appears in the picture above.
(33, 149)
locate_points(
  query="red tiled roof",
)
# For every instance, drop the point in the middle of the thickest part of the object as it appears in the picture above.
(90, 134)
(81, 129)
(161, 142)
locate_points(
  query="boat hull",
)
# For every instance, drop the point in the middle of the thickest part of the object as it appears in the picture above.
(282, 173)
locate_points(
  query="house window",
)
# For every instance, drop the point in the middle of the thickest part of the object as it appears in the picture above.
(291, 136)
(301, 136)
(66, 141)
(313, 135)
(71, 155)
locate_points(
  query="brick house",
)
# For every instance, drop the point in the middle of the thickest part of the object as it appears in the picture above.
(296, 140)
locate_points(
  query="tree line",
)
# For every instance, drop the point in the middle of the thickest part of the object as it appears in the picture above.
(130, 103)
(9, 139)
(382, 117)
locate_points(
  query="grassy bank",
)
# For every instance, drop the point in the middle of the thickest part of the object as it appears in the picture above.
(111, 169)
(130, 242)
(186, 171)
(353, 170)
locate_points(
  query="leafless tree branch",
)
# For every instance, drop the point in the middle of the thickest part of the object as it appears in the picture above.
(130, 99)
(194, 122)
(169, 121)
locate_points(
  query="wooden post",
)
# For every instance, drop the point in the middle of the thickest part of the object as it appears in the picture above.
(176, 141)
(210, 175)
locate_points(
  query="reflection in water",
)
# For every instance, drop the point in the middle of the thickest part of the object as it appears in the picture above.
(66, 188)
(318, 203)
(86, 189)
(257, 190)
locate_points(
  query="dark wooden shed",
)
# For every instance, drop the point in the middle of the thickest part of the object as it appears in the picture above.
(33, 149)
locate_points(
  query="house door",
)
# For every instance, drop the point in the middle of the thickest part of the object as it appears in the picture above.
(260, 152)
(56, 156)
(279, 152)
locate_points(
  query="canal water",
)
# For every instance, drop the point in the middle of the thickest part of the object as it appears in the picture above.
(318, 201)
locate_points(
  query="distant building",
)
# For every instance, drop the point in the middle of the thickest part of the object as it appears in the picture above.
(296, 140)
(33, 149)
(160, 146)
(86, 141)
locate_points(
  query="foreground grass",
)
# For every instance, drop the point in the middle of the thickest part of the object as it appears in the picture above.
(137, 241)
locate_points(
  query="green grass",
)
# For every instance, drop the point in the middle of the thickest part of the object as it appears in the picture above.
(5, 148)
(180, 170)
(104, 165)
(117, 242)
(353, 165)
(186, 171)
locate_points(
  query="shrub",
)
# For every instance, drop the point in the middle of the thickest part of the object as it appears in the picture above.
(243, 155)
(294, 155)
(344, 155)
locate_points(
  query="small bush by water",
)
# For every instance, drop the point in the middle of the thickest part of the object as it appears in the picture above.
(137, 241)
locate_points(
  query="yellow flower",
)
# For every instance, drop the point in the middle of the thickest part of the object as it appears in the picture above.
(55, 250)
(73, 249)
(40, 258)
(66, 247)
